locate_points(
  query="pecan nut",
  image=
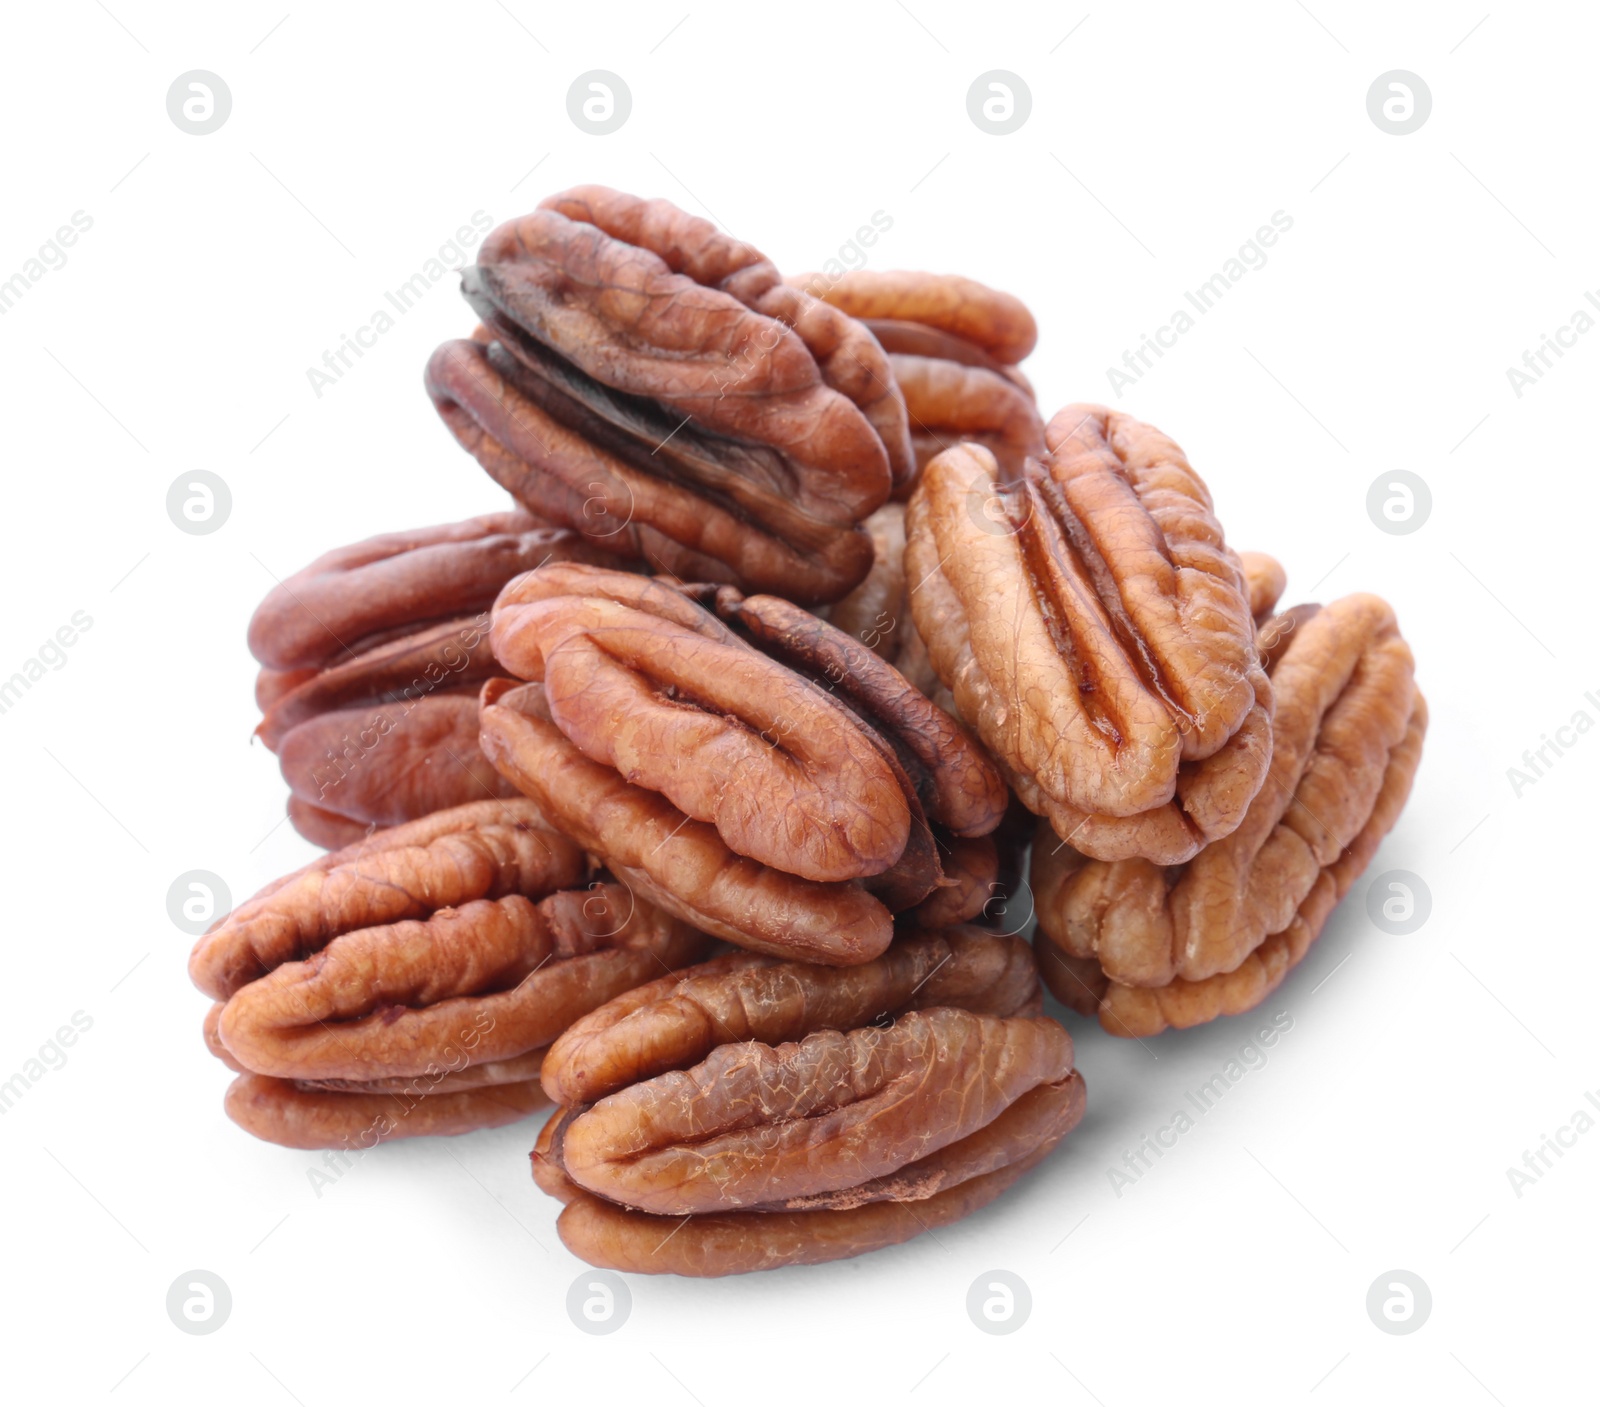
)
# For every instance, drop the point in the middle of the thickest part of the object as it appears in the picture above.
(1093, 626)
(878, 611)
(794, 1113)
(754, 770)
(371, 661)
(653, 385)
(422, 971)
(1147, 947)
(953, 344)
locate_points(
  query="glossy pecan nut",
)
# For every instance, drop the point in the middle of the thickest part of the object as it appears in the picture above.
(420, 975)
(371, 661)
(653, 384)
(1094, 627)
(748, 767)
(1148, 947)
(781, 1113)
(953, 344)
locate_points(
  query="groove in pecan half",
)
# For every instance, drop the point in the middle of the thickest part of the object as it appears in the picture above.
(678, 1020)
(654, 385)
(1181, 945)
(484, 850)
(1093, 626)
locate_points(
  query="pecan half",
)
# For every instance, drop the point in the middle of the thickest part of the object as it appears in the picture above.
(752, 1096)
(1148, 947)
(372, 657)
(653, 384)
(1093, 626)
(428, 964)
(953, 344)
(761, 775)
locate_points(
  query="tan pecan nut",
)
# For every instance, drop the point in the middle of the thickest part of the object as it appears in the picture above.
(410, 984)
(781, 1113)
(953, 344)
(1094, 627)
(1146, 946)
(748, 767)
(371, 661)
(652, 384)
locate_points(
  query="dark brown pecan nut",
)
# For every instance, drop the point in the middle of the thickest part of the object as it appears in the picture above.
(1093, 626)
(953, 344)
(755, 771)
(425, 968)
(794, 1113)
(1148, 947)
(372, 657)
(653, 384)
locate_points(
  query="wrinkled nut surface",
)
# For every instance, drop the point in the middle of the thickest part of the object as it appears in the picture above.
(372, 657)
(878, 611)
(652, 384)
(952, 343)
(1093, 626)
(425, 969)
(754, 770)
(795, 1113)
(1148, 947)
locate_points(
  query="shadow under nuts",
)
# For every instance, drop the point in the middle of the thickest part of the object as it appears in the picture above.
(774, 1113)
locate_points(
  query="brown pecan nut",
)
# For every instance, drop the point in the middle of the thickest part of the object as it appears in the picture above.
(1093, 626)
(878, 611)
(1148, 947)
(653, 384)
(755, 771)
(783, 1113)
(953, 344)
(372, 657)
(426, 968)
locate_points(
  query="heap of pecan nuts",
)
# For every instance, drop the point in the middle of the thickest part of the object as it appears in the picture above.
(692, 794)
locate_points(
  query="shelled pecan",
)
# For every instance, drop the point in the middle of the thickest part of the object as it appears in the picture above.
(1148, 947)
(653, 384)
(953, 344)
(781, 1113)
(740, 762)
(371, 661)
(411, 983)
(1093, 627)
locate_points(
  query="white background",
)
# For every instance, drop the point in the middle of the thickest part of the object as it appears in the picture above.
(218, 269)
